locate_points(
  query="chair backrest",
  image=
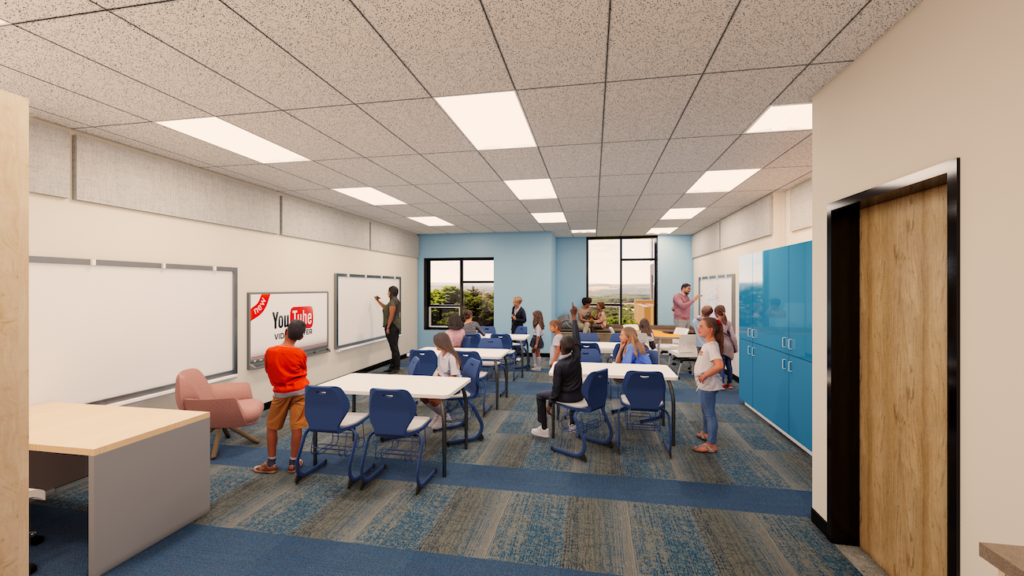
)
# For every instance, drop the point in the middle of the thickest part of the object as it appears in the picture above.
(487, 329)
(391, 411)
(589, 337)
(491, 343)
(595, 389)
(655, 359)
(326, 407)
(191, 385)
(615, 351)
(414, 364)
(521, 330)
(590, 345)
(681, 330)
(615, 337)
(427, 364)
(471, 341)
(471, 369)
(644, 390)
(590, 355)
(506, 340)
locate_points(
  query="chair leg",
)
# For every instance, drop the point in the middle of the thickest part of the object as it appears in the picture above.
(216, 444)
(226, 433)
(362, 465)
(419, 461)
(243, 434)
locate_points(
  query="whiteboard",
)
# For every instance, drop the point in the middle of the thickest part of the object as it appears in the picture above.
(358, 318)
(715, 290)
(100, 332)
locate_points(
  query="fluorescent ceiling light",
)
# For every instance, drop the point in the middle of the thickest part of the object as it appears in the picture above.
(539, 189)
(370, 196)
(681, 213)
(721, 180)
(430, 220)
(657, 231)
(233, 139)
(584, 231)
(490, 121)
(549, 217)
(783, 119)
(2, 23)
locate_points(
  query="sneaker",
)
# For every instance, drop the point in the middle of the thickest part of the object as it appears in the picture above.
(572, 428)
(435, 423)
(541, 432)
(448, 416)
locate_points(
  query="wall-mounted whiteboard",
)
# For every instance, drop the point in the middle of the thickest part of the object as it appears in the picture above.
(269, 316)
(358, 318)
(104, 331)
(715, 290)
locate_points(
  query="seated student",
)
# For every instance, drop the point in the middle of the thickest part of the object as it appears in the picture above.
(455, 331)
(538, 341)
(584, 316)
(600, 320)
(705, 312)
(646, 334)
(286, 368)
(468, 324)
(449, 364)
(518, 314)
(567, 382)
(631, 349)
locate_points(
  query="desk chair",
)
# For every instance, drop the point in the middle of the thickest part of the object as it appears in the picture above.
(590, 345)
(488, 330)
(471, 370)
(517, 357)
(590, 355)
(497, 344)
(327, 412)
(481, 377)
(643, 392)
(471, 341)
(653, 354)
(230, 404)
(525, 345)
(615, 337)
(589, 337)
(427, 364)
(595, 395)
(393, 417)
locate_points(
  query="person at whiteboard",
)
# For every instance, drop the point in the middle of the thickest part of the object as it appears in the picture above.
(518, 314)
(393, 327)
(286, 369)
(681, 304)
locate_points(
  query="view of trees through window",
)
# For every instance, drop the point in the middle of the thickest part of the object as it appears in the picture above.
(457, 285)
(619, 272)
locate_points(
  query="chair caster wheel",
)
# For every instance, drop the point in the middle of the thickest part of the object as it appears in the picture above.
(583, 458)
(611, 445)
(552, 448)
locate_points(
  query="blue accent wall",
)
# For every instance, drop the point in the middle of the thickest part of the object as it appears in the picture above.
(571, 274)
(675, 268)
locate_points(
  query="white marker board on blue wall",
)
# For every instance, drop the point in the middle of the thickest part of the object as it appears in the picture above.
(359, 320)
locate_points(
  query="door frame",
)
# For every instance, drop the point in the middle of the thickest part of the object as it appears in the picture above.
(843, 366)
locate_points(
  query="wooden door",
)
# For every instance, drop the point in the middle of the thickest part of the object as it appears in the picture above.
(903, 434)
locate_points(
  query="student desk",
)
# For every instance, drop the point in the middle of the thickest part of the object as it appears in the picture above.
(419, 387)
(514, 337)
(687, 351)
(489, 354)
(618, 371)
(148, 469)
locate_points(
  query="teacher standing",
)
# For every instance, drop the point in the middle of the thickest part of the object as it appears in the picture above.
(393, 327)
(681, 304)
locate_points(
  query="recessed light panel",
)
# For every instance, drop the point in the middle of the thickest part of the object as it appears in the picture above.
(783, 119)
(657, 231)
(2, 23)
(370, 196)
(430, 220)
(584, 231)
(681, 213)
(493, 121)
(233, 139)
(720, 180)
(538, 189)
(549, 217)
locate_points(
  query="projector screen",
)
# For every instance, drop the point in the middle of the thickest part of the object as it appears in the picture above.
(359, 319)
(109, 330)
(715, 290)
(271, 312)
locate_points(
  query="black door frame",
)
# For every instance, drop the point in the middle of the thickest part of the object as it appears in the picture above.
(843, 495)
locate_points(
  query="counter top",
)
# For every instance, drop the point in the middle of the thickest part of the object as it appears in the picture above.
(1008, 559)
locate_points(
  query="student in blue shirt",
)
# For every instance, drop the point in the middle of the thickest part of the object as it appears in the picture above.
(631, 349)
(705, 312)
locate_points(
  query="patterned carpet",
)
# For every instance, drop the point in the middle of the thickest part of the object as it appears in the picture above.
(509, 505)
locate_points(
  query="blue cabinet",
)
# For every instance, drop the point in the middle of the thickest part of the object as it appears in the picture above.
(799, 303)
(745, 357)
(800, 401)
(752, 304)
(771, 393)
(776, 298)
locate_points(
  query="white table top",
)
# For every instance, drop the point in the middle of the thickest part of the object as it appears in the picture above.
(619, 370)
(689, 351)
(418, 386)
(485, 353)
(515, 337)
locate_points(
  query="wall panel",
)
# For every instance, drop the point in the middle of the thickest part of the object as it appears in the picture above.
(707, 240)
(394, 241)
(750, 223)
(800, 200)
(301, 219)
(49, 160)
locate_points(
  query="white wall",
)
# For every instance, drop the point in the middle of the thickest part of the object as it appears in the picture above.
(727, 261)
(945, 82)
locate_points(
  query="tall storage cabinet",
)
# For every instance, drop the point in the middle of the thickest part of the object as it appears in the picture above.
(775, 337)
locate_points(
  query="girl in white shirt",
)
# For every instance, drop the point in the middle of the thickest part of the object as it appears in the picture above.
(537, 342)
(708, 369)
(449, 364)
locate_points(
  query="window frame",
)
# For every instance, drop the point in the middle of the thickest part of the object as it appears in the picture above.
(621, 260)
(461, 286)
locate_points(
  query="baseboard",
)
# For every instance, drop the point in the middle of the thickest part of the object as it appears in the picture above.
(820, 522)
(781, 431)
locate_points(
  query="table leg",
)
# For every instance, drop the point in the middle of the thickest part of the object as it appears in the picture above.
(444, 438)
(506, 375)
(465, 419)
(497, 387)
(315, 438)
(672, 391)
(354, 403)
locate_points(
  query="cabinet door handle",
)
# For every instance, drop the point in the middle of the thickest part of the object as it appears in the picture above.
(783, 364)
(790, 367)
(783, 342)
(752, 351)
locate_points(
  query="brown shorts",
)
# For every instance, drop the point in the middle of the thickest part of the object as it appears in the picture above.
(280, 407)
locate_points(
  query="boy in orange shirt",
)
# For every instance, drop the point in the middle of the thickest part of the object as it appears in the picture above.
(286, 367)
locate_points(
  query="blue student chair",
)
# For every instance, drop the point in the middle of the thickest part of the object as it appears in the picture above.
(595, 395)
(475, 389)
(487, 330)
(393, 417)
(471, 341)
(427, 364)
(327, 412)
(480, 376)
(653, 354)
(589, 337)
(590, 355)
(591, 345)
(497, 344)
(643, 392)
(506, 341)
(615, 337)
(525, 345)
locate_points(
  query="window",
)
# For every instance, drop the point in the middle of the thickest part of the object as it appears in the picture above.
(456, 285)
(621, 271)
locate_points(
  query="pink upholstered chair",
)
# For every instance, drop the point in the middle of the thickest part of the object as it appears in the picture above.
(230, 404)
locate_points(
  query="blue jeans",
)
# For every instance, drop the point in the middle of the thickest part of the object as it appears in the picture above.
(728, 369)
(707, 406)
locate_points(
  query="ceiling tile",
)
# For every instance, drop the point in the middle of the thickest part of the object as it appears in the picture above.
(735, 198)
(558, 228)
(772, 178)
(488, 191)
(451, 193)
(537, 206)
(502, 227)
(174, 141)
(695, 225)
(102, 133)
(413, 169)
(529, 227)
(218, 38)
(622, 203)
(718, 212)
(328, 198)
(796, 182)
(631, 157)
(116, 3)
(337, 43)
(729, 103)
(519, 219)
(807, 84)
(768, 33)
(582, 220)
(578, 204)
(645, 109)
(799, 155)
(693, 154)
(564, 115)
(867, 27)
(475, 228)
(697, 200)
(671, 183)
(277, 178)
(551, 43)
(758, 150)
(285, 130)
(447, 45)
(375, 212)
(507, 207)
(113, 42)
(463, 166)
(243, 178)
(474, 208)
(516, 163)
(626, 185)
(65, 103)
(407, 194)
(611, 229)
(439, 209)
(573, 161)
(318, 174)
(421, 124)
(43, 115)
(612, 216)
(461, 221)
(32, 55)
(656, 202)
(586, 187)
(490, 220)
(562, 233)
(405, 210)
(658, 39)
(364, 171)
(649, 215)
(15, 11)
(355, 129)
